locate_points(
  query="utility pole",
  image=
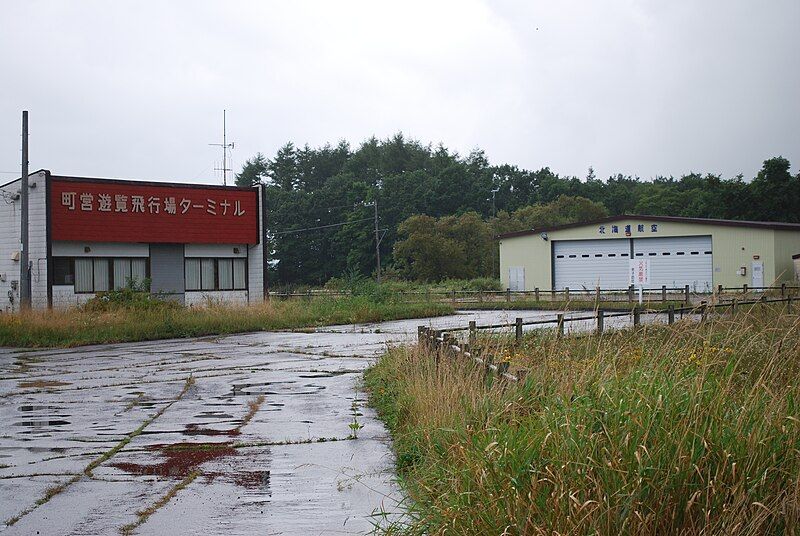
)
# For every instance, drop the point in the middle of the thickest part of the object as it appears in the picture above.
(24, 268)
(225, 146)
(377, 241)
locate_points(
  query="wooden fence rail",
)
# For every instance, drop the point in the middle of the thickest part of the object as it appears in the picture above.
(444, 343)
(663, 294)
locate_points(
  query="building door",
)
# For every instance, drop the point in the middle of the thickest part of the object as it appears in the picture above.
(677, 261)
(587, 264)
(166, 271)
(758, 274)
(516, 278)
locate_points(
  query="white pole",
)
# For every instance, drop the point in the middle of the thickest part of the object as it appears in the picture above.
(640, 294)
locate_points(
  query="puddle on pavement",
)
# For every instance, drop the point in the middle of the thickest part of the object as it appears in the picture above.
(326, 374)
(42, 384)
(180, 459)
(42, 423)
(239, 389)
(194, 429)
(37, 408)
(213, 415)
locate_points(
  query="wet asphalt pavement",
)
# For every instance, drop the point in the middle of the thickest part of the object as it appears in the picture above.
(63, 409)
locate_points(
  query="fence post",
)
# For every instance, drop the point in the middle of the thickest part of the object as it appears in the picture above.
(480, 296)
(597, 294)
(508, 295)
(448, 340)
(473, 332)
(566, 293)
(518, 329)
(744, 288)
(454, 298)
(703, 306)
(671, 314)
(630, 293)
(600, 321)
(686, 294)
(560, 321)
(663, 293)
(636, 315)
(783, 290)
(536, 293)
(733, 306)
(719, 292)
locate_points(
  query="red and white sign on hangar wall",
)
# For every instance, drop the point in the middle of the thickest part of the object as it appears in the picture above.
(122, 211)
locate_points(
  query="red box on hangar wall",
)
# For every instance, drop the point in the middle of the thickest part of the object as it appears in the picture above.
(122, 211)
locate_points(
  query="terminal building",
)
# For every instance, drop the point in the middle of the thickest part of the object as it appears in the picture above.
(701, 253)
(192, 243)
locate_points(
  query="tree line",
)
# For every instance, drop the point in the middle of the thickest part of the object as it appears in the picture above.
(439, 211)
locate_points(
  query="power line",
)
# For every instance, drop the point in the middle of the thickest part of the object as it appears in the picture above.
(321, 227)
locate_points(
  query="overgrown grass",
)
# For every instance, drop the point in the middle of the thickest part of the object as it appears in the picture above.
(690, 429)
(93, 325)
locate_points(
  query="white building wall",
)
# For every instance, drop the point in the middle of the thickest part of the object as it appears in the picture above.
(99, 249)
(216, 250)
(255, 260)
(64, 297)
(10, 217)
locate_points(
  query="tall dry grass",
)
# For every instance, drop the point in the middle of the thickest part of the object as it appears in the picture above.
(690, 429)
(162, 321)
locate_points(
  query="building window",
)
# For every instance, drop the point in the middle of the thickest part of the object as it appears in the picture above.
(98, 274)
(63, 271)
(215, 274)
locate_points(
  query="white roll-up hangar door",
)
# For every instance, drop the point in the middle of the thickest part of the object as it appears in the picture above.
(587, 264)
(677, 261)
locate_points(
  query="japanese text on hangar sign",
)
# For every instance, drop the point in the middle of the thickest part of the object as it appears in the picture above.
(109, 211)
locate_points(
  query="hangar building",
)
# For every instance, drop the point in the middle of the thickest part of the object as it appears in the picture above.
(193, 243)
(701, 253)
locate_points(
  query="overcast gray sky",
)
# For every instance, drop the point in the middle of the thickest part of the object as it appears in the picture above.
(136, 89)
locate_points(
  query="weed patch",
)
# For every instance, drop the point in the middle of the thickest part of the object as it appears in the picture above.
(111, 323)
(689, 429)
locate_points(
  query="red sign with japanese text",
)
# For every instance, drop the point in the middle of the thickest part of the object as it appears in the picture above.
(117, 211)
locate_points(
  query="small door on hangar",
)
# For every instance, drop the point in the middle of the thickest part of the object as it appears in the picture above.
(677, 261)
(586, 264)
(516, 278)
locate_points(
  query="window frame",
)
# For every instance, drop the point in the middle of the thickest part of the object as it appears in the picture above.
(110, 260)
(216, 285)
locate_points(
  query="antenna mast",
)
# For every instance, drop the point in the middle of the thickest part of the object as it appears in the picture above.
(225, 146)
